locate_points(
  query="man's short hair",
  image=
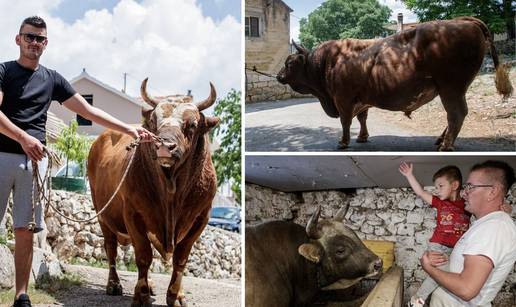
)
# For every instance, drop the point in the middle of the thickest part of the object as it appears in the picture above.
(34, 21)
(450, 172)
(499, 171)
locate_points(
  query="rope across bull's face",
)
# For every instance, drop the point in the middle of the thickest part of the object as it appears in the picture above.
(178, 123)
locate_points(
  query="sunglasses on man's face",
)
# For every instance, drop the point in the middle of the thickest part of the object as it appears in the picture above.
(30, 37)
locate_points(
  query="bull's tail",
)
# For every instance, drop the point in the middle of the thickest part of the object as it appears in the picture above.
(502, 81)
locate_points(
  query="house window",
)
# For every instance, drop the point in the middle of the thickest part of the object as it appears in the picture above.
(252, 27)
(81, 120)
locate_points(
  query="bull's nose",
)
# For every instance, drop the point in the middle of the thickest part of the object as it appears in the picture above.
(171, 146)
(378, 264)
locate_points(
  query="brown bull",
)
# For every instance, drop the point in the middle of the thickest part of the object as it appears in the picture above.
(399, 73)
(166, 197)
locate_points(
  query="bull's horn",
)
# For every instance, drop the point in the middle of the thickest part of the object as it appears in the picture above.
(341, 213)
(208, 102)
(299, 49)
(143, 91)
(311, 227)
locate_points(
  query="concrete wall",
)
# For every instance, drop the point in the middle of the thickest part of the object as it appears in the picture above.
(396, 215)
(103, 99)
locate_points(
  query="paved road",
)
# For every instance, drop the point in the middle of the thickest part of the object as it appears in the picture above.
(302, 125)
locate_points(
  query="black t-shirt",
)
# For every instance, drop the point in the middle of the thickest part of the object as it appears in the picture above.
(27, 97)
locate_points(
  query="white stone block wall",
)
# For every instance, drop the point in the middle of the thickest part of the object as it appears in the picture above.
(216, 253)
(396, 215)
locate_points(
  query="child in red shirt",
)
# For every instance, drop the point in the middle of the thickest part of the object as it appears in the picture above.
(452, 220)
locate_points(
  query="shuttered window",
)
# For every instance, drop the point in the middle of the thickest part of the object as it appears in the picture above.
(252, 27)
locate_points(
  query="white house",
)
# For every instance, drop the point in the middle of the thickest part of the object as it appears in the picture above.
(124, 107)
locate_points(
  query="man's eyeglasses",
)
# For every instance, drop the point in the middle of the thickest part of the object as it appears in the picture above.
(468, 186)
(29, 38)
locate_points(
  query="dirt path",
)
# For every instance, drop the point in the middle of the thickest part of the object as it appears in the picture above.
(199, 292)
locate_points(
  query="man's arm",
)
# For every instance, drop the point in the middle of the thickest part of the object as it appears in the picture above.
(466, 284)
(30, 145)
(79, 105)
(406, 170)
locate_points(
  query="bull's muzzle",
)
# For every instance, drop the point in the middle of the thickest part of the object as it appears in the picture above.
(165, 153)
(378, 265)
(281, 76)
(281, 79)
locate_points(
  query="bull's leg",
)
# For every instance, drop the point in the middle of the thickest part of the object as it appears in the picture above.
(180, 257)
(143, 256)
(363, 135)
(456, 110)
(345, 120)
(440, 139)
(110, 244)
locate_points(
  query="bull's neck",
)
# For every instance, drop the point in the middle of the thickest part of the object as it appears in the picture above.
(316, 74)
(174, 186)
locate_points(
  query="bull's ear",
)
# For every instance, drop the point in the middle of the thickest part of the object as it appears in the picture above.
(311, 252)
(211, 121)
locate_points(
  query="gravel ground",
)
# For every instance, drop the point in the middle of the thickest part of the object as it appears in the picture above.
(199, 292)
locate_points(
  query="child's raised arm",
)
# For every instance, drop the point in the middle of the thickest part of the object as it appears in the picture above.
(406, 170)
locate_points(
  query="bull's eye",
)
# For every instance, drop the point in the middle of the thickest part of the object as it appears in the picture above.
(191, 126)
(341, 252)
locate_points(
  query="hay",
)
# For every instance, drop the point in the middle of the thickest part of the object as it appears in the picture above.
(502, 82)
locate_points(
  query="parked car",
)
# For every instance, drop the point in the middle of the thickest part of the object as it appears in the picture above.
(227, 218)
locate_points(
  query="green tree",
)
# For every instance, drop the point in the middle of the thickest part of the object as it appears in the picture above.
(227, 159)
(73, 146)
(497, 14)
(339, 19)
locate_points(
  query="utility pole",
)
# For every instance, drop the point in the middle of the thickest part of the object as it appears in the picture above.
(125, 82)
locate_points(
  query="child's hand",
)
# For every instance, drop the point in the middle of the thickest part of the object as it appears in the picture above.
(406, 169)
(507, 208)
(432, 258)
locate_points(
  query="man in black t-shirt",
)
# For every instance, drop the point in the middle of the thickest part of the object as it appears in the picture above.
(26, 91)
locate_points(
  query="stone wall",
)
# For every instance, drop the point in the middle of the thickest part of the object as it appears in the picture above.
(396, 215)
(216, 254)
(263, 88)
(268, 51)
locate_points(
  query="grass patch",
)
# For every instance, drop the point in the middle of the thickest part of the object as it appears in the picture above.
(3, 240)
(45, 291)
(56, 284)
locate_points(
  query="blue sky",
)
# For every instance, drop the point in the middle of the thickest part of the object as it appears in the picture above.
(71, 10)
(303, 7)
(180, 45)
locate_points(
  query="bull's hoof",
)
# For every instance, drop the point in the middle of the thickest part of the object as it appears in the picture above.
(180, 301)
(144, 301)
(446, 148)
(362, 139)
(114, 288)
(343, 145)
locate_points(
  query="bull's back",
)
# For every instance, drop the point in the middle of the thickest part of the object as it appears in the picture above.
(409, 67)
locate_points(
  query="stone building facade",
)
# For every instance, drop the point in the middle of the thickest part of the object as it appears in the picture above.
(267, 45)
(396, 215)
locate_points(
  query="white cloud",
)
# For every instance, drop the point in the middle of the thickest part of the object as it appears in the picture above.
(169, 41)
